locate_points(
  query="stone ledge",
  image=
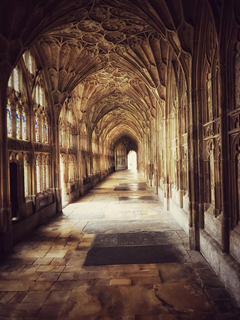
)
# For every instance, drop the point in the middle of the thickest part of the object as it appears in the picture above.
(225, 266)
(234, 243)
(180, 215)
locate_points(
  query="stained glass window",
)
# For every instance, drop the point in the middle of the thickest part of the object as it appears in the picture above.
(18, 129)
(42, 133)
(16, 79)
(25, 178)
(36, 130)
(46, 132)
(9, 121)
(24, 126)
(38, 176)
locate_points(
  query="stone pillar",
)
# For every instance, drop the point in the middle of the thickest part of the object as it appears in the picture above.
(5, 205)
(227, 9)
(194, 236)
(56, 159)
(166, 166)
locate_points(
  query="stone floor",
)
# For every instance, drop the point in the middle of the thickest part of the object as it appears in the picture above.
(44, 277)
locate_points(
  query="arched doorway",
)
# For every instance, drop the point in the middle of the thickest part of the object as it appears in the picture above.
(121, 155)
(132, 160)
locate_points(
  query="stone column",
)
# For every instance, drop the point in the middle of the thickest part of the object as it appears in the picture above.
(194, 236)
(56, 159)
(224, 38)
(5, 205)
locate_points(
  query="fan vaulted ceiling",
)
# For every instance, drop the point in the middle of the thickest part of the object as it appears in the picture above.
(111, 58)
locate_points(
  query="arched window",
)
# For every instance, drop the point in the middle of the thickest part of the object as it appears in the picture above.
(24, 126)
(18, 128)
(28, 60)
(42, 131)
(9, 120)
(38, 182)
(40, 96)
(10, 81)
(25, 177)
(68, 137)
(37, 94)
(36, 129)
(16, 84)
(14, 80)
(71, 138)
(46, 131)
(30, 63)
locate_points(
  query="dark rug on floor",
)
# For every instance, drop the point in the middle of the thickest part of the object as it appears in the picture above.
(99, 256)
(135, 239)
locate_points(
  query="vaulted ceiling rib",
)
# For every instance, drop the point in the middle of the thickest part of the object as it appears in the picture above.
(112, 61)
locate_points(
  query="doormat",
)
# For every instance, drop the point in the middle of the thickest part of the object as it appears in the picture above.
(99, 256)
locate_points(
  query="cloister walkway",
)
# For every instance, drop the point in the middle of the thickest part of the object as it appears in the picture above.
(114, 254)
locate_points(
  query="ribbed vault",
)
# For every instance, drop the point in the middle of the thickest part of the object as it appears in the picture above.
(110, 63)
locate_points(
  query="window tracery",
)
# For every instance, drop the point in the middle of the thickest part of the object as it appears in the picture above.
(9, 120)
(28, 60)
(46, 131)
(18, 125)
(36, 129)
(24, 126)
(16, 84)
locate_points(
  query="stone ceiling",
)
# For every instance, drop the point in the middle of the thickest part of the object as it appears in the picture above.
(111, 57)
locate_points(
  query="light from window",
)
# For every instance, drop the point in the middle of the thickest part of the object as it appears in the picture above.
(36, 130)
(24, 126)
(9, 121)
(38, 176)
(10, 84)
(18, 130)
(37, 94)
(16, 80)
(30, 63)
(68, 138)
(25, 178)
(40, 96)
(46, 132)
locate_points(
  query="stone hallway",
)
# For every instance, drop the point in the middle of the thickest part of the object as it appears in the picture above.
(114, 254)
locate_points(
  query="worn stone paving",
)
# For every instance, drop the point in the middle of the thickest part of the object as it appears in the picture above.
(44, 277)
